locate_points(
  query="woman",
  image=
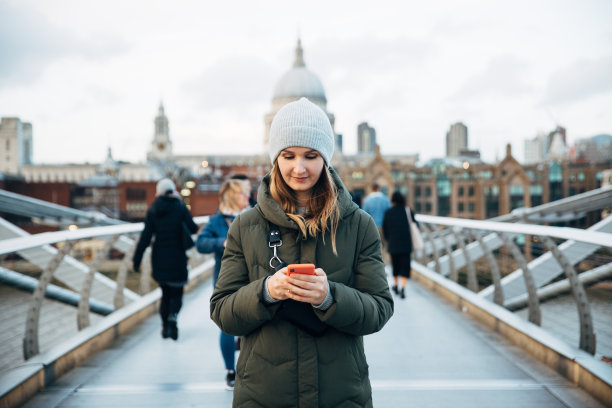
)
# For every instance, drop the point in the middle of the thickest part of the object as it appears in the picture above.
(281, 364)
(396, 231)
(167, 219)
(233, 198)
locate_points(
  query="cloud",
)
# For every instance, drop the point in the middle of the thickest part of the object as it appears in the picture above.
(370, 55)
(235, 83)
(369, 73)
(580, 80)
(29, 43)
(503, 77)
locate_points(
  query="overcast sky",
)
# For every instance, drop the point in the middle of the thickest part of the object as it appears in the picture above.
(89, 75)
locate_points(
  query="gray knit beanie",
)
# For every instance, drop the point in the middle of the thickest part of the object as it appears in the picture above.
(301, 123)
(164, 185)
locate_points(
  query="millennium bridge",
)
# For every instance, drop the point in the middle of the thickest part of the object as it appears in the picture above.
(505, 312)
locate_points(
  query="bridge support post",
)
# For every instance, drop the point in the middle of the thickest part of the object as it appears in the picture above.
(533, 303)
(30, 340)
(472, 282)
(498, 292)
(145, 273)
(83, 309)
(449, 251)
(119, 300)
(587, 333)
(431, 234)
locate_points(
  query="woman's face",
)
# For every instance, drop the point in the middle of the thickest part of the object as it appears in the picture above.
(236, 197)
(300, 168)
(243, 199)
(239, 196)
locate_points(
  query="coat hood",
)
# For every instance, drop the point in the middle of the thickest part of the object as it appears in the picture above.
(164, 204)
(272, 211)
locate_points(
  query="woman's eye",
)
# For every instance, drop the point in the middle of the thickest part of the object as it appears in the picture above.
(287, 156)
(312, 156)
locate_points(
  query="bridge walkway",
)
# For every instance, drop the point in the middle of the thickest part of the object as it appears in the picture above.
(429, 355)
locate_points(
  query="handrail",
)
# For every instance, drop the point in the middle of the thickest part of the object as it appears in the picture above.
(19, 204)
(46, 238)
(76, 275)
(578, 243)
(592, 200)
(19, 384)
(589, 237)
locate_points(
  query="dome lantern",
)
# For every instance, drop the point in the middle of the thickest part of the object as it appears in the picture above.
(299, 55)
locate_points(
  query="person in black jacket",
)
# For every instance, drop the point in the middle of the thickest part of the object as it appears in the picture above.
(166, 219)
(396, 231)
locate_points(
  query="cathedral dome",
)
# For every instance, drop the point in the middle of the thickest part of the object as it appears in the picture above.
(297, 83)
(300, 81)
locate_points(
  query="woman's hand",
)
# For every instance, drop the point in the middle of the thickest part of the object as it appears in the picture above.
(308, 288)
(278, 285)
(300, 287)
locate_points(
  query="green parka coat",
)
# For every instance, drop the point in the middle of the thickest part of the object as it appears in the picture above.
(279, 364)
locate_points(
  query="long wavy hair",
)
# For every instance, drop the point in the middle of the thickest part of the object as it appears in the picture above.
(229, 194)
(322, 213)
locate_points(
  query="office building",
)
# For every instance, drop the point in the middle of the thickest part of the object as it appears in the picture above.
(456, 139)
(15, 145)
(366, 138)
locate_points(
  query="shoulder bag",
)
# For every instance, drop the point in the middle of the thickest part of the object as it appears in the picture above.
(186, 239)
(415, 234)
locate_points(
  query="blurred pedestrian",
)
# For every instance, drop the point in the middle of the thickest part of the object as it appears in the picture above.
(302, 335)
(396, 230)
(168, 220)
(375, 204)
(233, 198)
(247, 184)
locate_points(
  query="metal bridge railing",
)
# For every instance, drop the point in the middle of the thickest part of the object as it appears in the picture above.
(55, 257)
(451, 244)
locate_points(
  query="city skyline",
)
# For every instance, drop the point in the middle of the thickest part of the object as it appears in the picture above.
(507, 71)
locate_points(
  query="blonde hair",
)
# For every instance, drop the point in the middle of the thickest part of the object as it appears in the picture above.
(322, 213)
(229, 193)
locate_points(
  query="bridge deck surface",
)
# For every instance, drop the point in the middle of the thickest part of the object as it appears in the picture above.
(428, 355)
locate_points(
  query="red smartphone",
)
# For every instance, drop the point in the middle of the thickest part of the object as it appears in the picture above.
(306, 269)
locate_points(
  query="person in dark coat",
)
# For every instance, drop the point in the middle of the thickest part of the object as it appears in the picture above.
(233, 198)
(396, 231)
(165, 220)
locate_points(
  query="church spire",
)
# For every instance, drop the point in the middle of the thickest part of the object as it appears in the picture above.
(110, 165)
(161, 146)
(299, 55)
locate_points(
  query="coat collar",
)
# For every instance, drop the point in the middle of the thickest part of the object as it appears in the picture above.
(273, 212)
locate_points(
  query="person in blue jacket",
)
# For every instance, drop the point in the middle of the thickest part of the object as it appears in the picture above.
(233, 198)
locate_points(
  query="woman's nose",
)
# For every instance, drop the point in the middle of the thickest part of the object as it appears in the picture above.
(299, 166)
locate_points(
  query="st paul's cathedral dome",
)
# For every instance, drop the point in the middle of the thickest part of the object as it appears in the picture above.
(296, 83)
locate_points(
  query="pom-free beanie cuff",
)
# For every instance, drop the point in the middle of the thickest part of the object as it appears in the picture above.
(164, 185)
(301, 123)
